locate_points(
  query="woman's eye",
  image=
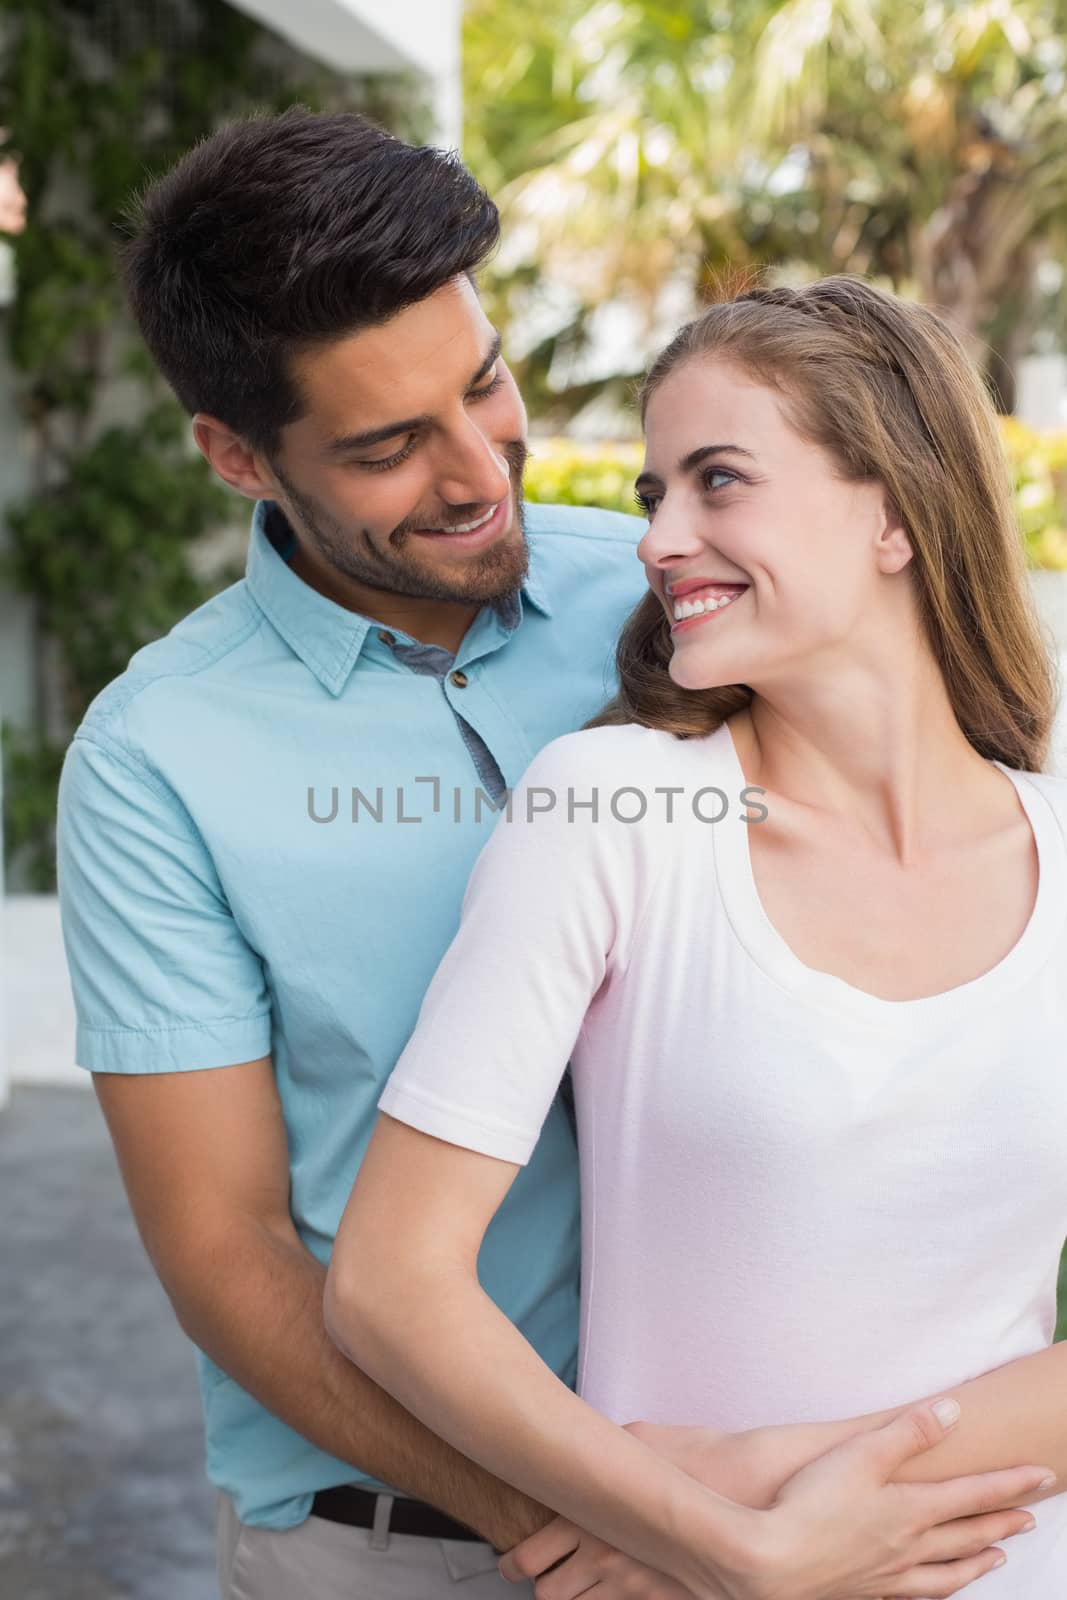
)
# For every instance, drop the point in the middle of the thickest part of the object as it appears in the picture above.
(646, 504)
(718, 472)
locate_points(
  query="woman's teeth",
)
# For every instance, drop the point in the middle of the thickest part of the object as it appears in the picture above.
(697, 608)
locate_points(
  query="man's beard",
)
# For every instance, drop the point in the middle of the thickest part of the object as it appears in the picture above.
(484, 579)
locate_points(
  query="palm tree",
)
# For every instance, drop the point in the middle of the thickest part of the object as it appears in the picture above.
(637, 145)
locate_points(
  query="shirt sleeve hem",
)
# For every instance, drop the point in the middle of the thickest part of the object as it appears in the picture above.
(455, 1126)
(186, 1047)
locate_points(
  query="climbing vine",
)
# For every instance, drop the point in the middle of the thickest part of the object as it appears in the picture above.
(95, 97)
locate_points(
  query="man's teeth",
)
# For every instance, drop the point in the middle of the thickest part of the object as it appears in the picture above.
(468, 527)
(697, 608)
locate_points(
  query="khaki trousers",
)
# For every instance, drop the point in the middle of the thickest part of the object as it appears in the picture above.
(320, 1560)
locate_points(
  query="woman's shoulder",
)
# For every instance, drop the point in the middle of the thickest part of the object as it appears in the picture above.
(1053, 786)
(628, 752)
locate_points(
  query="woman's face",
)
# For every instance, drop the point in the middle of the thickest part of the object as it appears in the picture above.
(777, 563)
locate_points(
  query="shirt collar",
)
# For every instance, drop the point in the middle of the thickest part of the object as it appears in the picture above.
(327, 637)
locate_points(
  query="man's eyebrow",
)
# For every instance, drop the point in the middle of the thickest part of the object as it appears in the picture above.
(649, 480)
(392, 430)
(488, 364)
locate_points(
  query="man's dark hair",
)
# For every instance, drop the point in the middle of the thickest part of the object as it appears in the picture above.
(278, 233)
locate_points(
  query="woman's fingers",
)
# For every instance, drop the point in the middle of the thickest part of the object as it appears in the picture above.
(936, 1583)
(990, 1491)
(971, 1536)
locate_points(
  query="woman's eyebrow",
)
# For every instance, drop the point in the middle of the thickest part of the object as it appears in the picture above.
(649, 480)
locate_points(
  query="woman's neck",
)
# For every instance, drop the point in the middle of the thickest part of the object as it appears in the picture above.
(881, 754)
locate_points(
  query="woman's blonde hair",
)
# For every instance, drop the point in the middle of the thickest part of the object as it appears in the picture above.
(888, 392)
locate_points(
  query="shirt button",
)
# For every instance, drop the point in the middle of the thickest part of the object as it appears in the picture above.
(387, 638)
(460, 679)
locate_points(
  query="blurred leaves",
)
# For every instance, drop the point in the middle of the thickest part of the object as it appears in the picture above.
(99, 95)
(635, 146)
(563, 472)
(1038, 461)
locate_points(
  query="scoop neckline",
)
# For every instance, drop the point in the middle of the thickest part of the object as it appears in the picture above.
(775, 956)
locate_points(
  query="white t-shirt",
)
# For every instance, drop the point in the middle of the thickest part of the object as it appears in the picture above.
(799, 1201)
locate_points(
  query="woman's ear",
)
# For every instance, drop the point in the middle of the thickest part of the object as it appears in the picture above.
(893, 547)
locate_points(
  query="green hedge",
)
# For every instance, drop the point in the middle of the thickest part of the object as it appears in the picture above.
(563, 470)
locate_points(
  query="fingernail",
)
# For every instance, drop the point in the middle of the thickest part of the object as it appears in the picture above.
(947, 1412)
(1047, 1483)
(1028, 1527)
(999, 1562)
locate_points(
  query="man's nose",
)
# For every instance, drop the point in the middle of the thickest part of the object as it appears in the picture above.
(475, 471)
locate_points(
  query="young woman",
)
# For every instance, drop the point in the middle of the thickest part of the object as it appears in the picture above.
(796, 910)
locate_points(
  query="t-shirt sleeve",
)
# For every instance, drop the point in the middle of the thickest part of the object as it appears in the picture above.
(544, 925)
(163, 979)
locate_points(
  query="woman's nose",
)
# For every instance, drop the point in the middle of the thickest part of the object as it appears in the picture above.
(671, 537)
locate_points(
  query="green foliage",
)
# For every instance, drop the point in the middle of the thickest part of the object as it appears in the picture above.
(125, 511)
(635, 144)
(1039, 471)
(31, 777)
(98, 98)
(564, 472)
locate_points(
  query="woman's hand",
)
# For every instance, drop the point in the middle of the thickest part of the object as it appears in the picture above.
(841, 1529)
(859, 1521)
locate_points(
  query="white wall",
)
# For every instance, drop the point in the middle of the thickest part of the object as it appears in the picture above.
(37, 1044)
(362, 36)
(1041, 396)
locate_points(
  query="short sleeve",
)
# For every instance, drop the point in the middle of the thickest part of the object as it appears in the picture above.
(163, 979)
(543, 927)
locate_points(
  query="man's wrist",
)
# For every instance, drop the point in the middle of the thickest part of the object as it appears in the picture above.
(512, 1519)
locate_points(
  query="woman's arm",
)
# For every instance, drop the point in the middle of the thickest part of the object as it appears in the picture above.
(1012, 1414)
(404, 1303)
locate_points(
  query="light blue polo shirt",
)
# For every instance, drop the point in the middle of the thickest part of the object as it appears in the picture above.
(266, 826)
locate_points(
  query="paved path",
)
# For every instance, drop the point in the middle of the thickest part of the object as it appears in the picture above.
(102, 1487)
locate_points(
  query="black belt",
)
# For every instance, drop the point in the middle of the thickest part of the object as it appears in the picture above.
(356, 1508)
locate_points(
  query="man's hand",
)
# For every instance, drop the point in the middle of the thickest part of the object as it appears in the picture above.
(564, 1562)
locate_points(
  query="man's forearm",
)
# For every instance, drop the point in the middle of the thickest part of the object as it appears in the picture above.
(259, 1318)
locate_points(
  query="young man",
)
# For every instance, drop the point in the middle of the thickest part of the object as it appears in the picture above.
(267, 822)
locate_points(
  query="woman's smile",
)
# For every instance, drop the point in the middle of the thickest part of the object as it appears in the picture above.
(702, 606)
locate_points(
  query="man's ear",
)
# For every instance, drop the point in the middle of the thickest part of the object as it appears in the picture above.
(893, 546)
(231, 458)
